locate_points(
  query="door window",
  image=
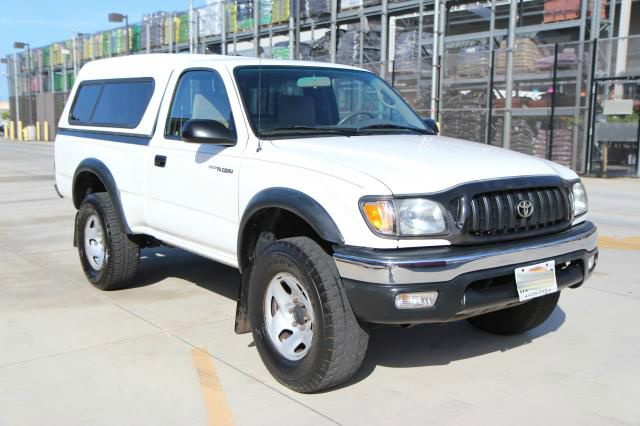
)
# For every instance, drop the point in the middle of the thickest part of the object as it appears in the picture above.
(200, 95)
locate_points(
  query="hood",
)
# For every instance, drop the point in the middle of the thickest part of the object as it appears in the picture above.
(409, 164)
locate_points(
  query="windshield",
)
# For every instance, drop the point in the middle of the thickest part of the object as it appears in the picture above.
(283, 101)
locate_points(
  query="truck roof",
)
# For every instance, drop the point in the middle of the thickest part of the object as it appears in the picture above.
(159, 67)
(151, 65)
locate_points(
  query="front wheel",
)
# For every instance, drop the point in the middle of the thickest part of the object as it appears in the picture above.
(518, 319)
(303, 326)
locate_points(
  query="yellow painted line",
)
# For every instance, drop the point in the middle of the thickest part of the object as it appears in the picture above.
(627, 243)
(212, 392)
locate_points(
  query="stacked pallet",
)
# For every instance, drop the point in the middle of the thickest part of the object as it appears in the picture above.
(473, 62)
(522, 135)
(315, 8)
(526, 53)
(280, 11)
(463, 124)
(244, 15)
(321, 48)
(406, 50)
(209, 21)
(467, 59)
(348, 51)
(561, 10)
(266, 11)
(562, 145)
(155, 22)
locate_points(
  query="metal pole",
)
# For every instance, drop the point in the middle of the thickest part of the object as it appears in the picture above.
(15, 87)
(592, 107)
(334, 29)
(297, 45)
(291, 30)
(40, 73)
(638, 149)
(384, 38)
(361, 45)
(126, 22)
(29, 67)
(579, 71)
(196, 32)
(147, 29)
(492, 28)
(65, 84)
(553, 100)
(223, 47)
(52, 76)
(256, 28)
(511, 41)
(435, 71)
(74, 46)
(444, 8)
(623, 43)
(490, 97)
(171, 32)
(191, 35)
(419, 64)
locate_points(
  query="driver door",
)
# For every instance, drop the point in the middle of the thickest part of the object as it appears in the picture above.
(192, 195)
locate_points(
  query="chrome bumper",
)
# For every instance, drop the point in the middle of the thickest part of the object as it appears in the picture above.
(441, 264)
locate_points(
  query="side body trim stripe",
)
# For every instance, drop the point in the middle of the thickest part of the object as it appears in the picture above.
(106, 136)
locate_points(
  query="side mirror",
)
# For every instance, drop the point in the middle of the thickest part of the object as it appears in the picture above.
(207, 131)
(431, 125)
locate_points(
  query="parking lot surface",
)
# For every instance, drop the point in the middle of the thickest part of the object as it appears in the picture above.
(164, 352)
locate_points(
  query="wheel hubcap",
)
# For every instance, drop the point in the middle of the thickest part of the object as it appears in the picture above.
(288, 316)
(94, 242)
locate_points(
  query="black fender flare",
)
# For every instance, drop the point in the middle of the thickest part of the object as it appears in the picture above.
(98, 168)
(296, 202)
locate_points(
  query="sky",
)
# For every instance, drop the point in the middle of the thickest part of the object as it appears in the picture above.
(42, 22)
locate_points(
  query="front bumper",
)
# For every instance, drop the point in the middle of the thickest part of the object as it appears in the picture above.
(470, 280)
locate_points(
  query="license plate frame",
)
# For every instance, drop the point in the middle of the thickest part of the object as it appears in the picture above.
(536, 280)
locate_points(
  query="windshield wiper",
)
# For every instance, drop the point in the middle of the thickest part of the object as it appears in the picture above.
(309, 129)
(390, 126)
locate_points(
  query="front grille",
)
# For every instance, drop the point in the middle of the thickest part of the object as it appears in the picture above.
(495, 213)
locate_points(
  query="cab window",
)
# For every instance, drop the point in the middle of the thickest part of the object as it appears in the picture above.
(200, 95)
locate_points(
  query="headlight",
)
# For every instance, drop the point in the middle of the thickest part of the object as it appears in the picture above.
(420, 217)
(409, 217)
(580, 203)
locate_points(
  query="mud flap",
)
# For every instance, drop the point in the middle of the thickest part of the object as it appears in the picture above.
(242, 324)
(75, 230)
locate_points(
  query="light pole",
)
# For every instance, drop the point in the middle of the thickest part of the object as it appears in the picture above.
(119, 17)
(22, 45)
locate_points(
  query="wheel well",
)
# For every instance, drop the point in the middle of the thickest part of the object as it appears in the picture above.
(270, 224)
(84, 184)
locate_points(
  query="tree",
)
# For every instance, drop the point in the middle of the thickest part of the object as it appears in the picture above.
(5, 115)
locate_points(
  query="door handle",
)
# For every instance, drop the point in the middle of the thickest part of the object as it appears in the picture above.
(160, 161)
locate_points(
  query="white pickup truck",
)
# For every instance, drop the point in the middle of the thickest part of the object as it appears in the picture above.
(339, 205)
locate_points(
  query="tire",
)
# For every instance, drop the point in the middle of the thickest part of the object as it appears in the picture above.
(98, 230)
(518, 319)
(338, 343)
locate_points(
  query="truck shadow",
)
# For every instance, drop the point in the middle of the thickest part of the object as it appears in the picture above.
(441, 344)
(394, 347)
(157, 264)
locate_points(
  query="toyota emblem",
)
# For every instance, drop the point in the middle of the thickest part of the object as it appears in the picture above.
(525, 209)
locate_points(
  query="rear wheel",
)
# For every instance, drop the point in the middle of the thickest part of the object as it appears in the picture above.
(108, 256)
(305, 331)
(518, 319)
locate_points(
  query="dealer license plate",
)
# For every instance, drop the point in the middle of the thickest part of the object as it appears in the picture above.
(536, 280)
